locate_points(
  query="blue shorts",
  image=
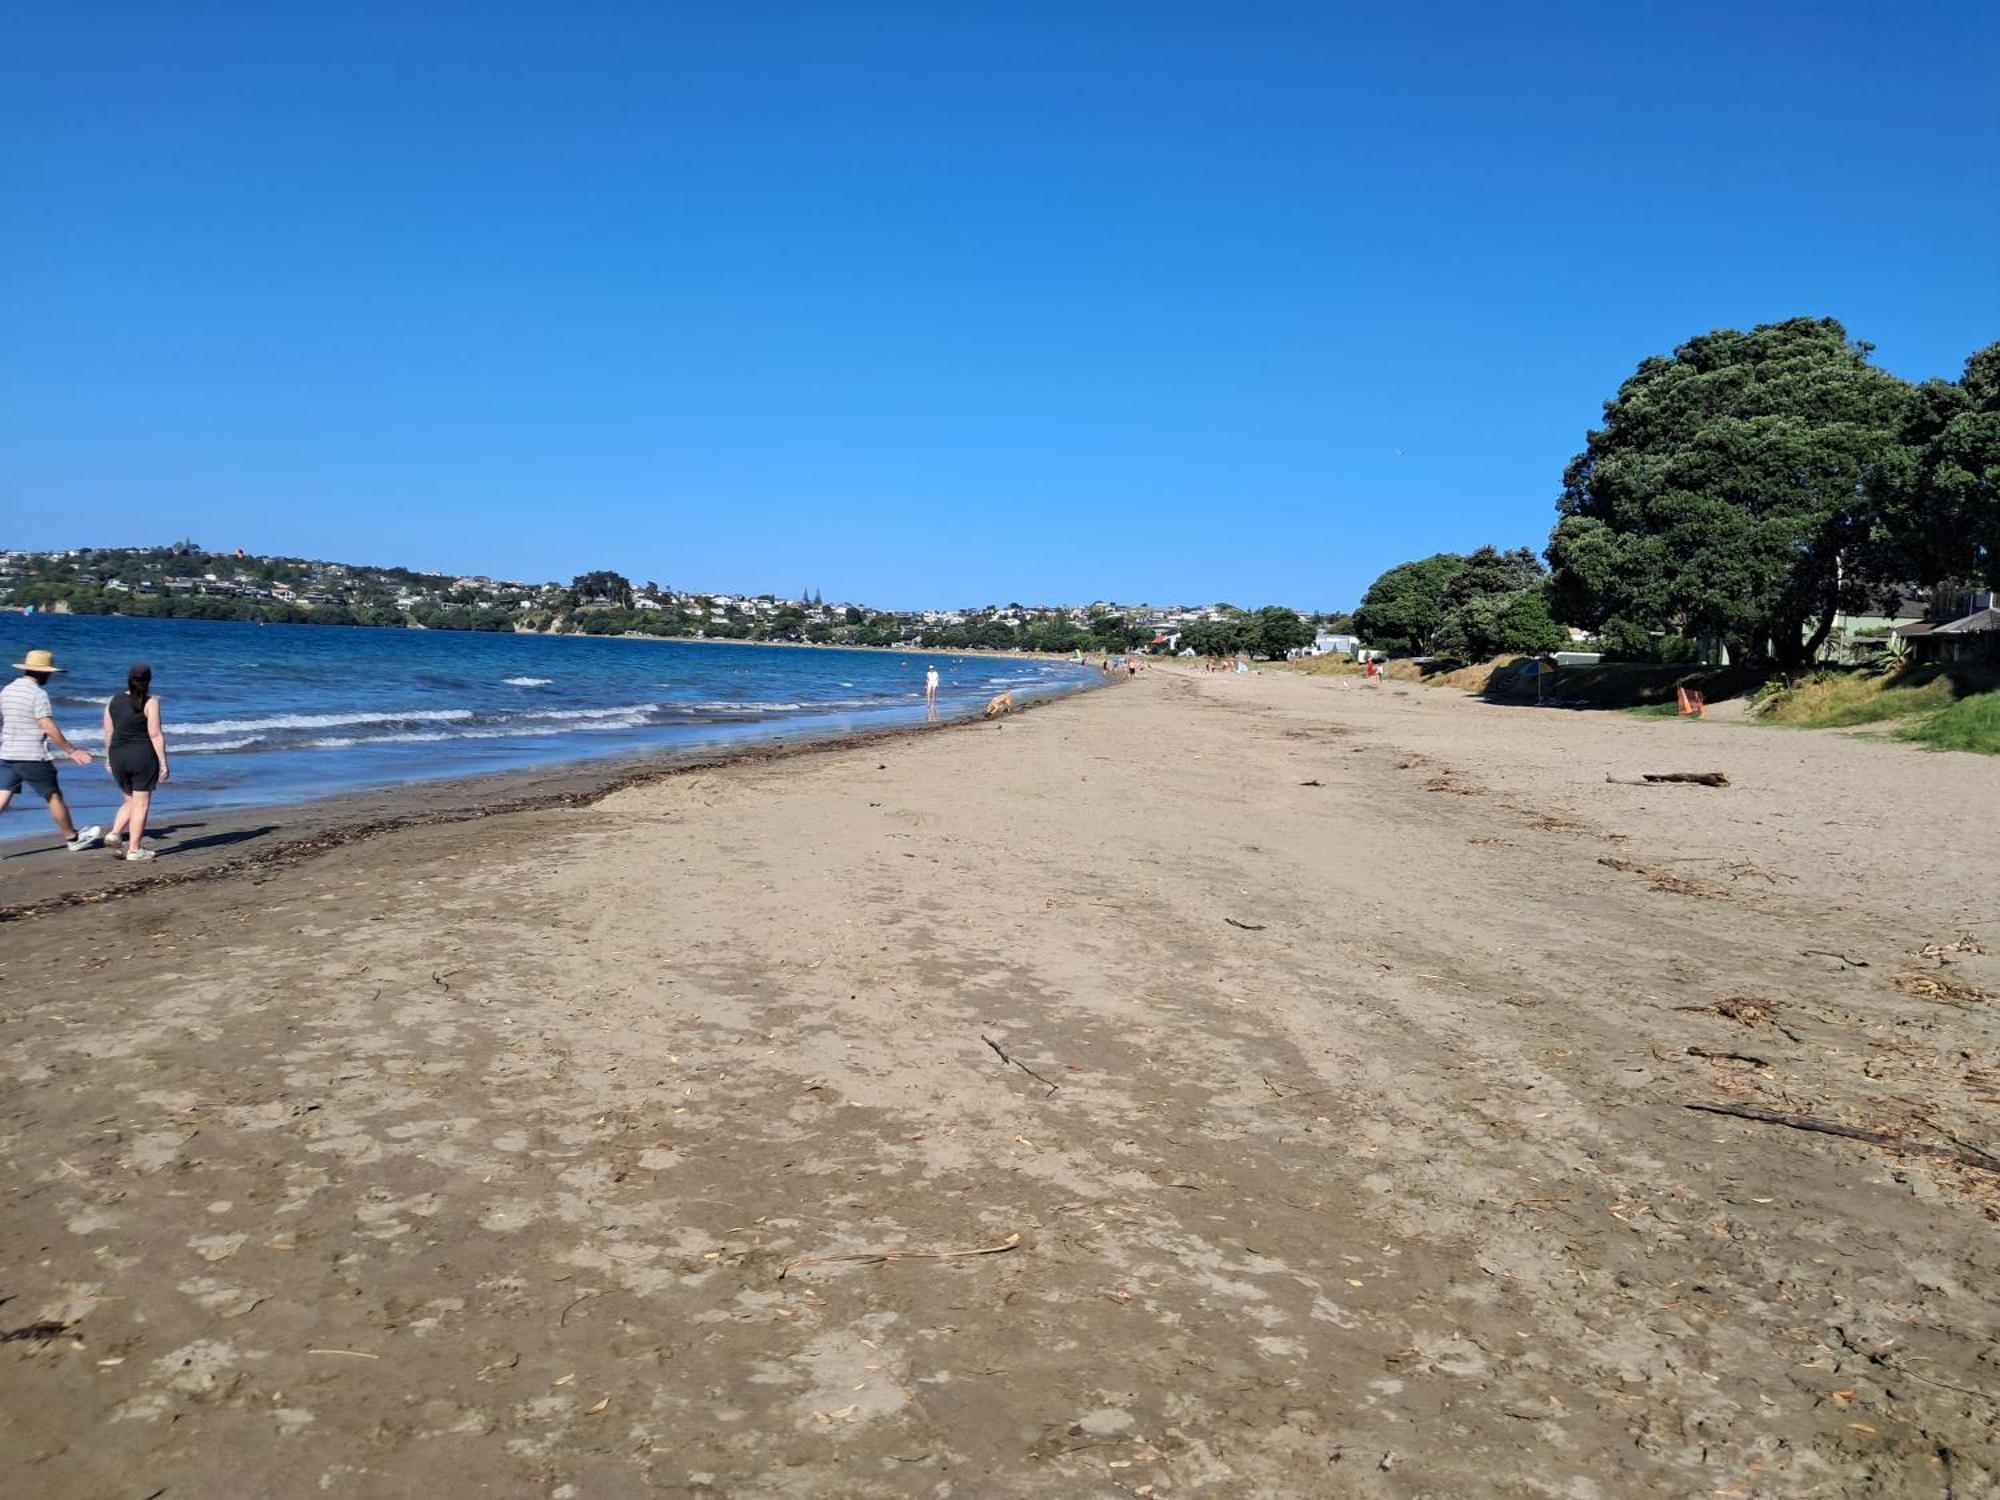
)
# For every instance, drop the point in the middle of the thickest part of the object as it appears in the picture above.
(38, 776)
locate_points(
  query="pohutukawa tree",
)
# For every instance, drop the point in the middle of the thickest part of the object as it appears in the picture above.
(1732, 493)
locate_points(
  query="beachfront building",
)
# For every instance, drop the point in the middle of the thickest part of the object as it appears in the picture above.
(1961, 625)
(1855, 636)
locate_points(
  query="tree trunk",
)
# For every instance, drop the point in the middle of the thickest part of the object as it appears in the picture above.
(1821, 630)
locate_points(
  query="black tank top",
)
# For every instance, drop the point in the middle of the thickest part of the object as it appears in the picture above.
(128, 723)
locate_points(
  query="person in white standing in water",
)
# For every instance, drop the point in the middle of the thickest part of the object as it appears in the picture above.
(930, 692)
(27, 728)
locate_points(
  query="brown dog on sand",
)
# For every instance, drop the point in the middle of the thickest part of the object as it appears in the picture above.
(998, 704)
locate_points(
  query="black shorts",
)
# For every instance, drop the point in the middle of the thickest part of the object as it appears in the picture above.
(135, 767)
(38, 776)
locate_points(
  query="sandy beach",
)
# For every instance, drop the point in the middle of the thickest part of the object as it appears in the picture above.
(1217, 1085)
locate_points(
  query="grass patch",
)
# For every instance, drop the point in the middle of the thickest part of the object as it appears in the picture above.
(1332, 664)
(1969, 724)
(1841, 700)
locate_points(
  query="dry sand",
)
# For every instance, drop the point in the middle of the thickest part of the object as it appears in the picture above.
(468, 1160)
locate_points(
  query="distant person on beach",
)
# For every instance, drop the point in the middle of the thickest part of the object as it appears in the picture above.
(930, 692)
(136, 747)
(27, 728)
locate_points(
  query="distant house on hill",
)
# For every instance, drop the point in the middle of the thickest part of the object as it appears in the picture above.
(1960, 625)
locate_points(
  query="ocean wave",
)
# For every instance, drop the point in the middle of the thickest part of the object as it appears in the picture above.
(325, 721)
(527, 681)
(625, 710)
(496, 732)
(216, 747)
(412, 737)
(752, 706)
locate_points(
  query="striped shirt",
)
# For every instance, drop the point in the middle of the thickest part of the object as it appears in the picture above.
(24, 703)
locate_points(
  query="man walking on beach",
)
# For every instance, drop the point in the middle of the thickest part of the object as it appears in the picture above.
(930, 692)
(27, 729)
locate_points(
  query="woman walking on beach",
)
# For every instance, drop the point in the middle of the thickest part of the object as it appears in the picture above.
(136, 747)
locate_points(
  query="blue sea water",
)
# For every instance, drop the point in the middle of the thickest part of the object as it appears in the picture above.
(266, 714)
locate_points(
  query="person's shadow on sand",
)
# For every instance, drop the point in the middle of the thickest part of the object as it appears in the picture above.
(168, 842)
(219, 840)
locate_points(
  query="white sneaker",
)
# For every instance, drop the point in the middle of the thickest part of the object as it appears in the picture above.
(142, 854)
(85, 839)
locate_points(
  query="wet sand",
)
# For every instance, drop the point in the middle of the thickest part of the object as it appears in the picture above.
(1339, 1144)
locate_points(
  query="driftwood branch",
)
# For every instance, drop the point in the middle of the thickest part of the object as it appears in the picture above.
(1714, 1055)
(1670, 778)
(1015, 1062)
(1970, 1156)
(1246, 926)
(882, 1257)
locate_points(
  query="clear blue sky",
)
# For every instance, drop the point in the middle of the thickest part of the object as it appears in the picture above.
(932, 302)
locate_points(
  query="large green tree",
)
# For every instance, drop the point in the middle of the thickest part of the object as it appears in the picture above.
(1938, 504)
(604, 585)
(1274, 632)
(1223, 637)
(1729, 492)
(1480, 599)
(1405, 608)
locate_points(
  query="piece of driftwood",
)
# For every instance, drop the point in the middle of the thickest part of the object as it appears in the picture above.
(1715, 1055)
(882, 1257)
(1015, 1062)
(1969, 1156)
(1690, 778)
(1246, 926)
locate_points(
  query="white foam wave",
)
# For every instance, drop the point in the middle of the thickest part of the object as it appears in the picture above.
(412, 737)
(324, 721)
(753, 706)
(211, 747)
(501, 732)
(527, 681)
(624, 711)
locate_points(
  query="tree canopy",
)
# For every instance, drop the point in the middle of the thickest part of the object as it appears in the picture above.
(1404, 609)
(603, 586)
(1937, 503)
(1482, 604)
(1728, 494)
(1274, 632)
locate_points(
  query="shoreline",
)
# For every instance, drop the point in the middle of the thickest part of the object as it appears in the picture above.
(264, 836)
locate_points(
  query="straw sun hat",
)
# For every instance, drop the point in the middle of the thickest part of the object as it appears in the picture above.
(38, 661)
